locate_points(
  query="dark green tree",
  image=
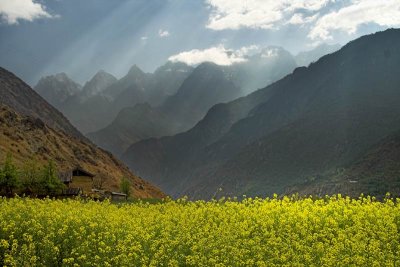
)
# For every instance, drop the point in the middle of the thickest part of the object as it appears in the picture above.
(50, 182)
(30, 176)
(125, 186)
(9, 176)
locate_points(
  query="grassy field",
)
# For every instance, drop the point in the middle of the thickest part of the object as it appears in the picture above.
(334, 231)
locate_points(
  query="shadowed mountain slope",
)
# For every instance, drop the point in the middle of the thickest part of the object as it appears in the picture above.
(376, 173)
(310, 122)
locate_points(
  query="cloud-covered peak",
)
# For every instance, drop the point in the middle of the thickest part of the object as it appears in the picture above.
(11, 11)
(217, 54)
(223, 56)
(271, 52)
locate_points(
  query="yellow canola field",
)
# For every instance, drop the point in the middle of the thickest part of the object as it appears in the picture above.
(334, 231)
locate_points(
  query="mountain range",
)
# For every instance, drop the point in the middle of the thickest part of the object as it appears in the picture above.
(315, 122)
(100, 100)
(180, 93)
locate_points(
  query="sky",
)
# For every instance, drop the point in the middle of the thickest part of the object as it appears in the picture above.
(80, 37)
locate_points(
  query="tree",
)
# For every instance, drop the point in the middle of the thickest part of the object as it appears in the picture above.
(125, 186)
(9, 176)
(98, 182)
(49, 181)
(30, 176)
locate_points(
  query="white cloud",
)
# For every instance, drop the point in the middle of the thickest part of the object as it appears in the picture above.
(299, 19)
(11, 11)
(248, 50)
(218, 54)
(263, 14)
(348, 19)
(270, 53)
(319, 17)
(163, 33)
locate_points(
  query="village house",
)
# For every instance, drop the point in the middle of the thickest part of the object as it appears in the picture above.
(77, 181)
(116, 196)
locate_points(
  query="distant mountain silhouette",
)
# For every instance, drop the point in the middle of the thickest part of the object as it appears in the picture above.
(56, 89)
(167, 79)
(307, 124)
(100, 82)
(90, 107)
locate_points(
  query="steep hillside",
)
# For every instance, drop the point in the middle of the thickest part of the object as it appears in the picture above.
(376, 173)
(17, 94)
(310, 122)
(308, 148)
(26, 137)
